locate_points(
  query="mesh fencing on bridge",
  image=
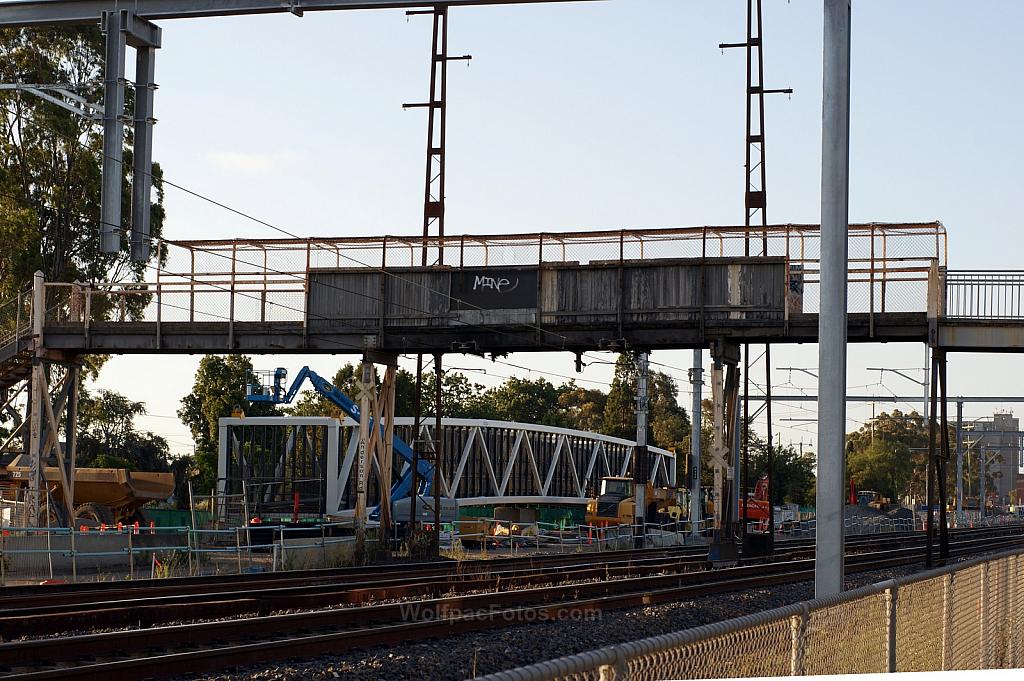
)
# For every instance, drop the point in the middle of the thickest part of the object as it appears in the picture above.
(266, 280)
(961, 617)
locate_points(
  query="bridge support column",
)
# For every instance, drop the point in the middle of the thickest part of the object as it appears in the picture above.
(696, 382)
(52, 408)
(376, 440)
(938, 457)
(641, 474)
(725, 398)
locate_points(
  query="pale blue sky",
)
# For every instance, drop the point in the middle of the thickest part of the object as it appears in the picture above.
(610, 114)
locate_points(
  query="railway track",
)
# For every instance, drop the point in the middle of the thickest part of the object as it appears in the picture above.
(42, 611)
(217, 645)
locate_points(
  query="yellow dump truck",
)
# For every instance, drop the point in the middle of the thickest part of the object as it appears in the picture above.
(616, 502)
(102, 495)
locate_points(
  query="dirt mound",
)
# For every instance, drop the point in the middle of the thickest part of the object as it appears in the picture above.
(850, 511)
(900, 513)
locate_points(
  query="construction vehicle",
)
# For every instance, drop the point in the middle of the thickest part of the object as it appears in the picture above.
(757, 506)
(102, 495)
(872, 499)
(615, 505)
(275, 393)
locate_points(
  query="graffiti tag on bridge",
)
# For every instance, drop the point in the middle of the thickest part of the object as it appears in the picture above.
(497, 284)
(494, 289)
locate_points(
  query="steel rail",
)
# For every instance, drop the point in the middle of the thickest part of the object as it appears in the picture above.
(261, 639)
(44, 599)
(10, 596)
(34, 615)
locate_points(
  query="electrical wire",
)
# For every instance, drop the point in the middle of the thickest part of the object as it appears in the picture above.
(265, 223)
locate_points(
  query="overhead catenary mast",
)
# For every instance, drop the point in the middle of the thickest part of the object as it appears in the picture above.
(755, 213)
(433, 217)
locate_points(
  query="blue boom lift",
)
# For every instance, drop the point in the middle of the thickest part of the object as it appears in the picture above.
(275, 394)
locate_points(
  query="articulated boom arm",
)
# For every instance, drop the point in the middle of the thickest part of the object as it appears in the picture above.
(276, 394)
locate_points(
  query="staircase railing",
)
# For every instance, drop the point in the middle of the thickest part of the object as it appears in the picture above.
(15, 323)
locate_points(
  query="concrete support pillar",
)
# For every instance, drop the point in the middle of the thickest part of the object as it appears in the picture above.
(835, 185)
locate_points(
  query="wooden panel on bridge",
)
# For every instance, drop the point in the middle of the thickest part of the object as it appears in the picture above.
(562, 296)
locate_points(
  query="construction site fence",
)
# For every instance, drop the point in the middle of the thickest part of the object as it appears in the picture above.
(29, 554)
(514, 536)
(106, 553)
(961, 617)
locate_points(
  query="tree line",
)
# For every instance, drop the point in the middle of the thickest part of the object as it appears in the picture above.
(220, 382)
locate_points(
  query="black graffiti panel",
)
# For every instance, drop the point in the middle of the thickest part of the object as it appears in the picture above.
(494, 288)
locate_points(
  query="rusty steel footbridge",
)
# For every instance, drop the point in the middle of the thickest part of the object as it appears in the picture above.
(601, 290)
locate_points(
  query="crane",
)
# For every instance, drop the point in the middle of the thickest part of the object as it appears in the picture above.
(275, 393)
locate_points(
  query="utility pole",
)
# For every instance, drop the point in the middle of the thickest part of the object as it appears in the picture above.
(982, 486)
(696, 382)
(438, 452)
(433, 215)
(959, 458)
(755, 201)
(835, 188)
(640, 475)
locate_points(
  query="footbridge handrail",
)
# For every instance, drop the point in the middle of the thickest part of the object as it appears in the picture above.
(984, 294)
(269, 280)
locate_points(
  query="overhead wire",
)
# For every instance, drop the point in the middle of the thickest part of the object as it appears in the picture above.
(310, 241)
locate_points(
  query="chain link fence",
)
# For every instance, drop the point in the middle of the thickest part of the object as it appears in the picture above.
(964, 616)
(247, 280)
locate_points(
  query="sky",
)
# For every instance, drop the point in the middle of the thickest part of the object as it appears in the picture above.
(613, 114)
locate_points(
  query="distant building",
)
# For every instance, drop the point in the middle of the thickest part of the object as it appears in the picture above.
(997, 437)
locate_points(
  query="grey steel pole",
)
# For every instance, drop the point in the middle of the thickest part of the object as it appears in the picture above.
(982, 486)
(737, 478)
(439, 454)
(142, 179)
(835, 187)
(113, 134)
(696, 381)
(927, 369)
(37, 394)
(959, 458)
(640, 473)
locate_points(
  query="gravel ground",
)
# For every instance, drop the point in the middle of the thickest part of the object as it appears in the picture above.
(466, 655)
